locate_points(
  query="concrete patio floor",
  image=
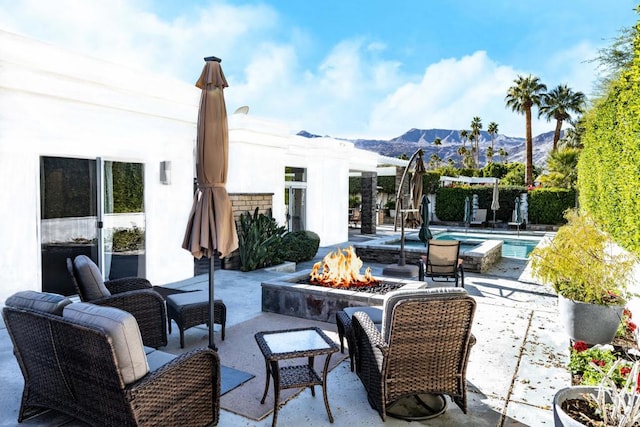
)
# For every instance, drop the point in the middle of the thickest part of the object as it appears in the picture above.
(514, 370)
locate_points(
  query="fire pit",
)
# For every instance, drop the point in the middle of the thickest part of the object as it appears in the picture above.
(339, 284)
(341, 269)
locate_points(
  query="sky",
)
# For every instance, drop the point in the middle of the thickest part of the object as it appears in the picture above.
(346, 68)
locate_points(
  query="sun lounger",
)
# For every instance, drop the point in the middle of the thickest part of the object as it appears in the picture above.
(480, 218)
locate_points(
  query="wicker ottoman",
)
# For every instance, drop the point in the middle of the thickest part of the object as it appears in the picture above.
(192, 308)
(343, 323)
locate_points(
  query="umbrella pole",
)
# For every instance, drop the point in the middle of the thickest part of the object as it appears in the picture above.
(212, 344)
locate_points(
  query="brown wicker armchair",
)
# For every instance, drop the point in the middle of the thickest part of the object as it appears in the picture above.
(423, 347)
(77, 368)
(132, 294)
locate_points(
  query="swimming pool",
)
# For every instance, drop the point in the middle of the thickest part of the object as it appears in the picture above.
(512, 246)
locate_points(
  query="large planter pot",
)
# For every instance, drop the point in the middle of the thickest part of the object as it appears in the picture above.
(560, 417)
(591, 323)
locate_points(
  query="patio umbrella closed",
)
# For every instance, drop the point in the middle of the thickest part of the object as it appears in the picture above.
(495, 202)
(416, 189)
(467, 211)
(518, 217)
(211, 228)
(425, 234)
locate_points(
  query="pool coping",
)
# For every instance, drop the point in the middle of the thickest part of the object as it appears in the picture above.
(479, 258)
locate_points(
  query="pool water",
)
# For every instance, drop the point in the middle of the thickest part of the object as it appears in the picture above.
(511, 247)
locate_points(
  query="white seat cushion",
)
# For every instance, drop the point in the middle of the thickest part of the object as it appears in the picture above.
(123, 330)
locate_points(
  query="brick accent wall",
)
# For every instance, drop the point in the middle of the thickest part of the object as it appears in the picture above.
(243, 202)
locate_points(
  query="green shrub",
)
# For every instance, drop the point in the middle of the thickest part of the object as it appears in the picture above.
(450, 201)
(259, 240)
(430, 182)
(128, 239)
(548, 205)
(300, 246)
(608, 172)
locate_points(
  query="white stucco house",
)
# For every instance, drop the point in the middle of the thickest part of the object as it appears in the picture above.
(96, 155)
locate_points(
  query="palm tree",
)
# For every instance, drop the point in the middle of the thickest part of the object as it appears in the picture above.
(573, 136)
(489, 154)
(476, 126)
(435, 160)
(558, 104)
(524, 94)
(462, 152)
(464, 134)
(492, 130)
(503, 154)
(472, 161)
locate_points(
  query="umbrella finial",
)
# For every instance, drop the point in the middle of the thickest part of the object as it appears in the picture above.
(212, 58)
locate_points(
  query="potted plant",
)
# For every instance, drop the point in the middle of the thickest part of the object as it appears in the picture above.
(614, 401)
(391, 207)
(590, 276)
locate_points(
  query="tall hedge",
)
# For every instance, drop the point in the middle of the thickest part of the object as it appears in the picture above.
(609, 166)
(547, 205)
(450, 201)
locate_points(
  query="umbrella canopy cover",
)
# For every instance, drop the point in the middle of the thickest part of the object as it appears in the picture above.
(211, 227)
(467, 210)
(495, 202)
(518, 211)
(416, 189)
(425, 234)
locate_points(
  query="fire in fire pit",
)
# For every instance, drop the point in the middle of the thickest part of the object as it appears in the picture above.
(341, 269)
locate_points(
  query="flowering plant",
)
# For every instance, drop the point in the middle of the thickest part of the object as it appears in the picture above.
(592, 363)
(627, 326)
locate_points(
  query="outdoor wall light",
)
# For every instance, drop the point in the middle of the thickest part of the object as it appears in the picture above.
(165, 172)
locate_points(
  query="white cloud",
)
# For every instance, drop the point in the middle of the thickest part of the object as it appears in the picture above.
(449, 95)
(355, 91)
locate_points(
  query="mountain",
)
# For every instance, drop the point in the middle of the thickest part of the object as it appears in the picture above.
(414, 139)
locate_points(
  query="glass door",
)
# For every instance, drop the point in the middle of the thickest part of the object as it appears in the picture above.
(68, 218)
(123, 220)
(95, 208)
(295, 189)
(295, 208)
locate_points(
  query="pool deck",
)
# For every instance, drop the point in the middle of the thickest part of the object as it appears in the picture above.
(517, 365)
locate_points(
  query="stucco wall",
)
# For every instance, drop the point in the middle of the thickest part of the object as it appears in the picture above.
(56, 103)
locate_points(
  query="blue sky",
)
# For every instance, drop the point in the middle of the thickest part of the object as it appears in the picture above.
(359, 68)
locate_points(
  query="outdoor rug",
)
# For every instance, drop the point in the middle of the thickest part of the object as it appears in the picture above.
(231, 378)
(240, 351)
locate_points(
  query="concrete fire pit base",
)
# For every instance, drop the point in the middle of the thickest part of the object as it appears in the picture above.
(285, 296)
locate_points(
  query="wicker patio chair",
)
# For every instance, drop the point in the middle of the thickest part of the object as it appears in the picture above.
(132, 294)
(442, 262)
(423, 347)
(77, 368)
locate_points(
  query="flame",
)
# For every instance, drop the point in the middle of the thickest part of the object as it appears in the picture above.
(341, 269)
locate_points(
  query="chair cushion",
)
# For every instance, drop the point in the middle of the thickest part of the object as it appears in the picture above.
(123, 330)
(392, 298)
(39, 301)
(89, 278)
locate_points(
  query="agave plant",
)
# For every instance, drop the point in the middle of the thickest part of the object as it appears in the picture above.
(259, 240)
